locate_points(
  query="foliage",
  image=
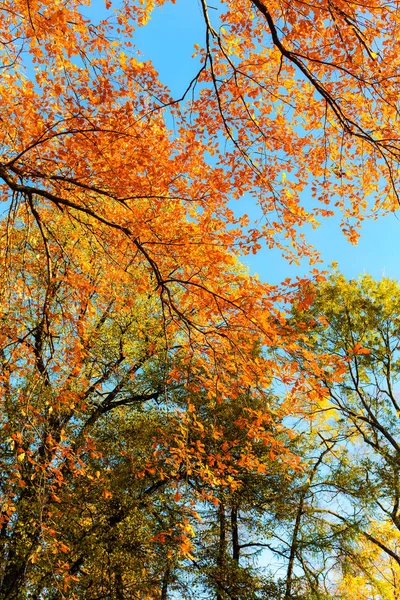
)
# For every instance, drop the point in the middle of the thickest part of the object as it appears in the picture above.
(110, 407)
(137, 355)
(352, 497)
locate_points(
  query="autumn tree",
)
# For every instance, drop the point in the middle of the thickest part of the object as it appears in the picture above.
(350, 509)
(287, 96)
(239, 440)
(98, 426)
(121, 276)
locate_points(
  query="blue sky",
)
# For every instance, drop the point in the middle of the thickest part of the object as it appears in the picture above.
(168, 41)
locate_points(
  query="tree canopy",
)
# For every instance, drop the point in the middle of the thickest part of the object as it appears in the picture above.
(146, 377)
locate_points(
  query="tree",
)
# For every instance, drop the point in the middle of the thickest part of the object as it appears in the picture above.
(322, 66)
(241, 443)
(121, 279)
(98, 426)
(371, 572)
(88, 109)
(73, 350)
(352, 499)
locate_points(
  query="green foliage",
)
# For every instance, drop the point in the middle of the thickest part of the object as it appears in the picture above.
(353, 503)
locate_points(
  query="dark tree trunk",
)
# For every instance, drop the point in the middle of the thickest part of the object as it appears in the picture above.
(165, 582)
(221, 555)
(235, 535)
(235, 547)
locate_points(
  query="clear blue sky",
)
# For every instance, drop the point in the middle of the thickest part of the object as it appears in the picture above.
(168, 41)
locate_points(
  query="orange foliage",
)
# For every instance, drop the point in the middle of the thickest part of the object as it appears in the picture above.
(113, 219)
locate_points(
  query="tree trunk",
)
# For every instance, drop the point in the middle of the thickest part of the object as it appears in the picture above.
(235, 546)
(165, 582)
(221, 551)
(235, 535)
